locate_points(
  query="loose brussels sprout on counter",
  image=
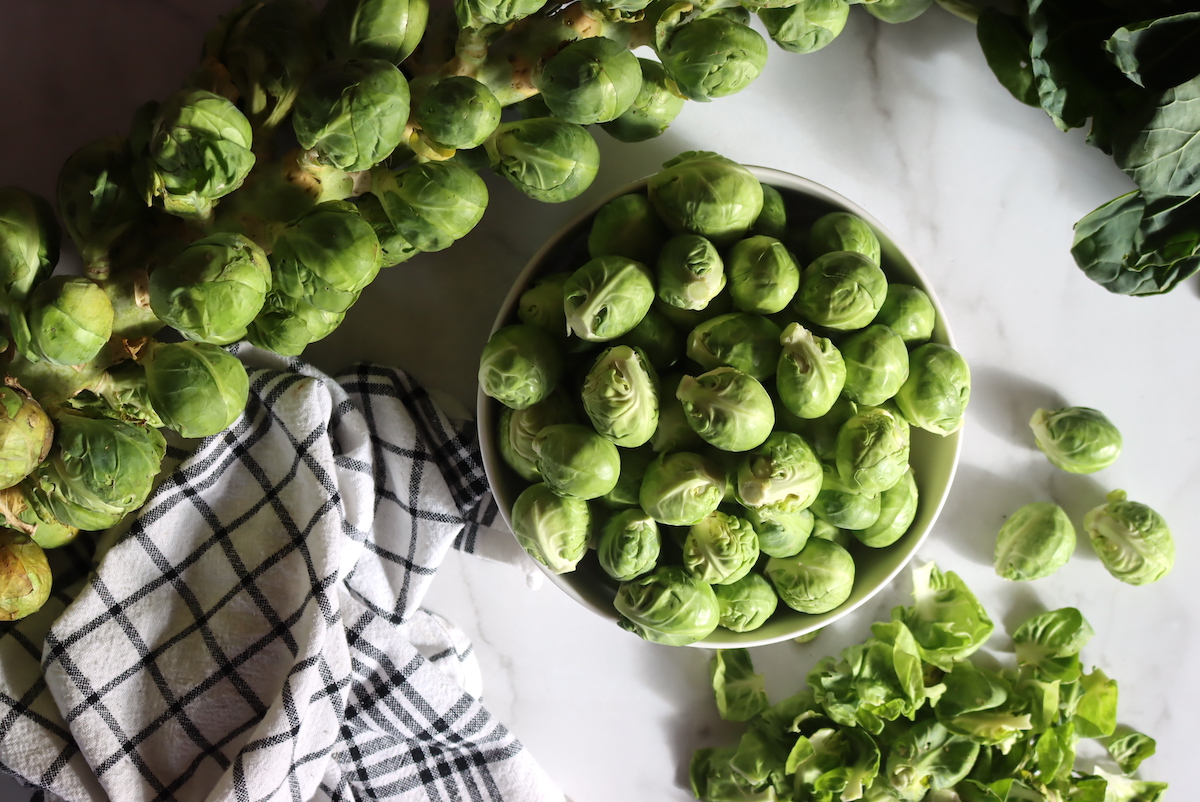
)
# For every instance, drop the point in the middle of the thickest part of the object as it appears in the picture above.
(1132, 540)
(1076, 439)
(766, 459)
(1034, 542)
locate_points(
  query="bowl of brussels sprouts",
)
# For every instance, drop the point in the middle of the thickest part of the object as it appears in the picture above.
(722, 407)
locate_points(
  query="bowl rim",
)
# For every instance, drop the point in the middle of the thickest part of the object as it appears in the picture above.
(776, 178)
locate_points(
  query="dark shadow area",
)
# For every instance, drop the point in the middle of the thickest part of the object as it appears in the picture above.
(1003, 402)
(979, 506)
(1078, 495)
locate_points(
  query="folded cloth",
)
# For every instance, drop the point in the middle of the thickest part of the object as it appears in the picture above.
(255, 631)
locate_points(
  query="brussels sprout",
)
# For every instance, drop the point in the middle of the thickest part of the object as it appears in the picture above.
(592, 80)
(909, 312)
(841, 290)
(620, 396)
(783, 468)
(740, 340)
(690, 272)
(18, 512)
(673, 433)
(548, 159)
(24, 576)
(823, 530)
(194, 151)
(551, 528)
(213, 289)
(661, 342)
(286, 325)
(938, 387)
(843, 506)
(807, 26)
(872, 450)
(772, 220)
(98, 471)
(458, 112)
(394, 249)
(897, 510)
(627, 226)
(29, 243)
(576, 462)
(783, 527)
(326, 257)
(516, 429)
(842, 231)
(520, 365)
(374, 29)
(821, 433)
(431, 205)
(267, 51)
(896, 11)
(699, 192)
(634, 462)
(816, 580)
(353, 113)
(709, 57)
(687, 319)
(668, 606)
(681, 488)
(876, 364)
(763, 276)
(25, 435)
(654, 108)
(727, 408)
(68, 320)
(1132, 540)
(541, 304)
(477, 13)
(197, 389)
(629, 545)
(98, 200)
(746, 604)
(607, 297)
(1034, 542)
(720, 549)
(811, 372)
(1076, 439)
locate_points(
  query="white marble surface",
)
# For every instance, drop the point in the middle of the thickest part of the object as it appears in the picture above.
(906, 121)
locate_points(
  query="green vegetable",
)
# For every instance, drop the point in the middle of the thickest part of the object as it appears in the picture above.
(520, 365)
(24, 576)
(897, 510)
(816, 580)
(576, 462)
(811, 372)
(773, 219)
(681, 488)
(699, 192)
(935, 394)
(729, 409)
(213, 289)
(653, 109)
(29, 243)
(430, 205)
(374, 29)
(197, 389)
(68, 319)
(551, 528)
(1034, 542)
(629, 544)
(541, 304)
(25, 435)
(843, 506)
(607, 297)
(352, 112)
(668, 606)
(690, 272)
(807, 26)
(782, 469)
(872, 450)
(741, 340)
(876, 365)
(946, 619)
(720, 548)
(1132, 540)
(634, 462)
(746, 604)
(620, 396)
(517, 428)
(98, 200)
(909, 312)
(548, 159)
(841, 290)
(708, 57)
(627, 226)
(658, 339)
(783, 527)
(843, 231)
(458, 112)
(593, 80)
(1076, 439)
(44, 529)
(740, 693)
(763, 276)
(896, 11)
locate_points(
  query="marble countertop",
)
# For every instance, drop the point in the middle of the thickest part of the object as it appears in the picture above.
(906, 121)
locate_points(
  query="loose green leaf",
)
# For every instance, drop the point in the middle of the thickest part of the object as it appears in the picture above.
(1050, 643)
(1096, 711)
(1127, 789)
(1158, 53)
(741, 694)
(1055, 753)
(1005, 42)
(927, 757)
(946, 620)
(1163, 154)
(1131, 749)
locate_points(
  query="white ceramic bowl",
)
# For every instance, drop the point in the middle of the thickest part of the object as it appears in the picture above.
(933, 458)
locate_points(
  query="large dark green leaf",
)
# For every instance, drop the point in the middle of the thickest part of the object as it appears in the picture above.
(1158, 53)
(1005, 42)
(1161, 153)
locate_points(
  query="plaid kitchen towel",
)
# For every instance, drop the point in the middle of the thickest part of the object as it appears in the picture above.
(255, 631)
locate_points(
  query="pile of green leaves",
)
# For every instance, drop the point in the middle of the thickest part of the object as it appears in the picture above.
(908, 715)
(1130, 68)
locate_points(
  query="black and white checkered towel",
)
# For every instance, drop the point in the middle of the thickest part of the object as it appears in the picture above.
(255, 632)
